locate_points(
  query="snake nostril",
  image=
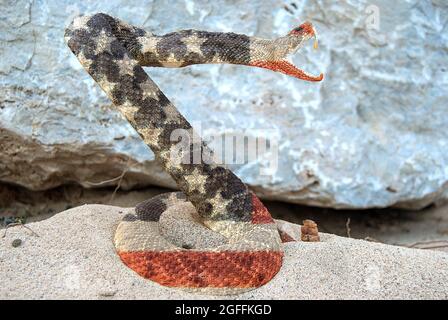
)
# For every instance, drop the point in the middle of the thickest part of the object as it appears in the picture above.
(187, 246)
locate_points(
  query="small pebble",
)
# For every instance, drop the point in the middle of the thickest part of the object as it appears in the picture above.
(309, 231)
(16, 243)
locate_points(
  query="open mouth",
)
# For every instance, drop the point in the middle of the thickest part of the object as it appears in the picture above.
(285, 65)
(306, 30)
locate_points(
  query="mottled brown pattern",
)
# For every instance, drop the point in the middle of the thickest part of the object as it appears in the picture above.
(113, 53)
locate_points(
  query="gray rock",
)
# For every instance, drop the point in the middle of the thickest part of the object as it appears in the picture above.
(373, 134)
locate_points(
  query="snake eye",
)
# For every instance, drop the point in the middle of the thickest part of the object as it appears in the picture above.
(298, 30)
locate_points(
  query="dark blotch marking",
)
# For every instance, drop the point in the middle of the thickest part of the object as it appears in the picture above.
(127, 89)
(150, 114)
(172, 43)
(100, 22)
(240, 208)
(104, 64)
(216, 41)
(230, 187)
(164, 140)
(127, 36)
(82, 41)
(117, 50)
(192, 58)
(140, 75)
(215, 179)
(150, 210)
(204, 209)
(150, 59)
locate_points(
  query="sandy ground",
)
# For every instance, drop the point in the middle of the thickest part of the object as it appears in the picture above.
(71, 255)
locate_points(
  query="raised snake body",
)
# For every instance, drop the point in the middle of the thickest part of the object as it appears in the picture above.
(216, 235)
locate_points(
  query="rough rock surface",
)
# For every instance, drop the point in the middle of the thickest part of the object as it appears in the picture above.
(73, 257)
(373, 134)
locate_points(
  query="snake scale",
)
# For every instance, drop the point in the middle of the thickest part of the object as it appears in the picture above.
(215, 236)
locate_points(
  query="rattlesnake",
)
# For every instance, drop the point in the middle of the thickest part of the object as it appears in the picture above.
(215, 236)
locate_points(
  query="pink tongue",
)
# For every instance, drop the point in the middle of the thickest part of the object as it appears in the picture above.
(286, 68)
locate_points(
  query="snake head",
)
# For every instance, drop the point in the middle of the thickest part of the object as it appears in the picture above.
(303, 33)
(306, 31)
(280, 61)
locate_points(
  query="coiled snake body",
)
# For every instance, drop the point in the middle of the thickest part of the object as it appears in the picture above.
(215, 236)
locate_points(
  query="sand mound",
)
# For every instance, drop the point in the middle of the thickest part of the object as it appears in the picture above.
(73, 257)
